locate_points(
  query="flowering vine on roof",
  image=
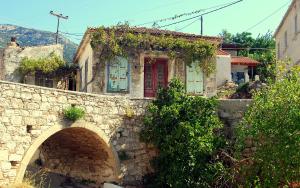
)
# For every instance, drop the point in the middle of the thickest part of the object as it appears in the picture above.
(123, 40)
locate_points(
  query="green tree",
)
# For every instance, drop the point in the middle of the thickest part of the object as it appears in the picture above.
(261, 48)
(272, 123)
(182, 129)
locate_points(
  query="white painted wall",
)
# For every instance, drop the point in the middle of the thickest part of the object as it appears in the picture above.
(87, 54)
(293, 37)
(223, 69)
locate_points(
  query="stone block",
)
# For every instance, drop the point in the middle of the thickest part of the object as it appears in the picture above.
(5, 165)
(15, 157)
(29, 121)
(3, 155)
(16, 120)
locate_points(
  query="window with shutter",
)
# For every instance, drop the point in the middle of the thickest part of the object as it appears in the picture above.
(194, 79)
(118, 75)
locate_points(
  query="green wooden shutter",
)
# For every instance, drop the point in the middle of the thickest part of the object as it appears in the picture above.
(194, 79)
(118, 75)
(123, 74)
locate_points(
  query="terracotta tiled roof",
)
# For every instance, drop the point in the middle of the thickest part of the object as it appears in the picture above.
(154, 31)
(222, 52)
(238, 60)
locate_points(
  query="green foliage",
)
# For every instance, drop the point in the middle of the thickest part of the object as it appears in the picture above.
(273, 124)
(74, 113)
(182, 128)
(122, 41)
(261, 49)
(45, 65)
(244, 87)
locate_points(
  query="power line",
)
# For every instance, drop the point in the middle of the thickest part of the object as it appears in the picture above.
(59, 16)
(267, 17)
(215, 10)
(181, 15)
(187, 25)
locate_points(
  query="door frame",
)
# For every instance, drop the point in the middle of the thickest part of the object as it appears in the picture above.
(158, 60)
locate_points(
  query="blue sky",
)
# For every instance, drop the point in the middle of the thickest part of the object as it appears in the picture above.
(85, 13)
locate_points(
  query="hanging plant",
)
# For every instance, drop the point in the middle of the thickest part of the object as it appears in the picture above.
(123, 41)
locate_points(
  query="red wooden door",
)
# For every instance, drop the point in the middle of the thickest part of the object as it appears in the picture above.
(155, 76)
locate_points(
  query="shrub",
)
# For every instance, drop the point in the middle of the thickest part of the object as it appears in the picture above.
(272, 123)
(45, 65)
(74, 113)
(182, 128)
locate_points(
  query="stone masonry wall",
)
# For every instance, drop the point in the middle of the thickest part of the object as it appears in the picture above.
(1, 63)
(14, 54)
(28, 111)
(231, 113)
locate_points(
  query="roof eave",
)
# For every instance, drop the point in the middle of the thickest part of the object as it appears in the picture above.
(284, 18)
(83, 43)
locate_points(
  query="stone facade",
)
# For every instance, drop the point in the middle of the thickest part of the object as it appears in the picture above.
(13, 54)
(102, 147)
(231, 113)
(96, 72)
(1, 63)
(287, 34)
(32, 119)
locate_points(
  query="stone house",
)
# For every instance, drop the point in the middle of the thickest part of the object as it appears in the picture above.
(287, 34)
(10, 59)
(139, 75)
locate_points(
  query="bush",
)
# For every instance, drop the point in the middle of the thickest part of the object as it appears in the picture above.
(45, 65)
(74, 113)
(182, 128)
(272, 123)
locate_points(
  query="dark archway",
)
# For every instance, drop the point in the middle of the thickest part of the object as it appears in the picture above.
(78, 152)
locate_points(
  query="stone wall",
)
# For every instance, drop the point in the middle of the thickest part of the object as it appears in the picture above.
(14, 54)
(32, 117)
(231, 113)
(104, 146)
(1, 63)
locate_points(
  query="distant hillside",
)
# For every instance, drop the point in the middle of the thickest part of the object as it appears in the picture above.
(33, 37)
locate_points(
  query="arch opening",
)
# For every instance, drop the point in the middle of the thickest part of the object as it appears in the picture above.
(74, 154)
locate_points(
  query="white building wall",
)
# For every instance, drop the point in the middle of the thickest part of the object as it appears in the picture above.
(289, 26)
(223, 69)
(87, 55)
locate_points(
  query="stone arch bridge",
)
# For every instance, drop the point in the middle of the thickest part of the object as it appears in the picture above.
(102, 147)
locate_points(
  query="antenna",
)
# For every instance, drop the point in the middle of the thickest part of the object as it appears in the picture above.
(59, 16)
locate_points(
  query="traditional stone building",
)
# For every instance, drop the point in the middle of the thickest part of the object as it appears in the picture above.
(104, 146)
(287, 34)
(11, 56)
(139, 75)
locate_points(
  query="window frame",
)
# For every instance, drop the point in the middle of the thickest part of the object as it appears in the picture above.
(128, 74)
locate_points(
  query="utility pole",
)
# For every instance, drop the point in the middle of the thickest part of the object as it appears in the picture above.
(201, 19)
(59, 16)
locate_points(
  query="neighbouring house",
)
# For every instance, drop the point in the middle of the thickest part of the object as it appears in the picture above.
(140, 73)
(12, 55)
(287, 34)
(243, 69)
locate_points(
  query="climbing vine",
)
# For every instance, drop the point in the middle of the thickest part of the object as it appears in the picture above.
(45, 65)
(123, 41)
